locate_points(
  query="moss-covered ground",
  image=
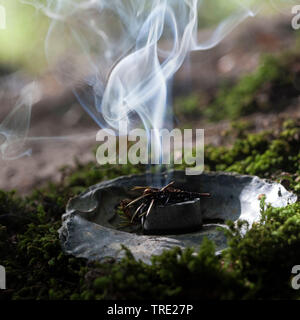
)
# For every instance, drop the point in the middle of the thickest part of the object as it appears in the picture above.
(272, 87)
(256, 265)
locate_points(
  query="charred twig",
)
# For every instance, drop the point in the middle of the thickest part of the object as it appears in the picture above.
(137, 199)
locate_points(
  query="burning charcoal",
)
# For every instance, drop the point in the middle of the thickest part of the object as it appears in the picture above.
(174, 218)
(178, 209)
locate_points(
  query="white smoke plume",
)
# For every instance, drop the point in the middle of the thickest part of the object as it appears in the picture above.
(119, 56)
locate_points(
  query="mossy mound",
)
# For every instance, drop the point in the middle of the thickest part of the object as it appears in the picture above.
(265, 154)
(273, 87)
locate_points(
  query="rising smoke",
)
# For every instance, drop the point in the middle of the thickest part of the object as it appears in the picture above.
(119, 57)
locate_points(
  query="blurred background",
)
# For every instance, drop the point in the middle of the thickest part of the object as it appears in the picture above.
(253, 76)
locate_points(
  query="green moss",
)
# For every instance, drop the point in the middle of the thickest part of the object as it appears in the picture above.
(81, 176)
(187, 107)
(272, 87)
(267, 252)
(174, 274)
(265, 154)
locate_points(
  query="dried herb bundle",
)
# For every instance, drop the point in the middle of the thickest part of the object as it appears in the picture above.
(140, 207)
